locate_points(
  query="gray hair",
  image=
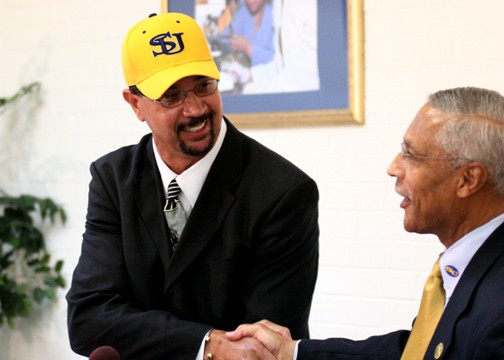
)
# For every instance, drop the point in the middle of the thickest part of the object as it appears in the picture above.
(473, 129)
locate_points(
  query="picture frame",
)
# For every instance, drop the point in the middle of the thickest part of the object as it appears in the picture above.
(340, 54)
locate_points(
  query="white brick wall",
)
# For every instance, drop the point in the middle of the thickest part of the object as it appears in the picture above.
(371, 271)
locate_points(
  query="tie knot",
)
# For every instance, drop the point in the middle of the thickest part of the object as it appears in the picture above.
(173, 189)
(172, 196)
(436, 270)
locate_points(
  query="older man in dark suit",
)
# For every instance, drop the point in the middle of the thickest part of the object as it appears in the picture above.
(195, 229)
(450, 173)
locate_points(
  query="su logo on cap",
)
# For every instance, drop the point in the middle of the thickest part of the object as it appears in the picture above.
(168, 47)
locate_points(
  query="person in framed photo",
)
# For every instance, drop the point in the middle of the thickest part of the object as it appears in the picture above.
(247, 41)
(251, 32)
(294, 66)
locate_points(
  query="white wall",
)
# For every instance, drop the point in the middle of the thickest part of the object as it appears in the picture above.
(371, 271)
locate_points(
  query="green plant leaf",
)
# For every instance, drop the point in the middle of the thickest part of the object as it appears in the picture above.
(59, 266)
(21, 240)
(38, 295)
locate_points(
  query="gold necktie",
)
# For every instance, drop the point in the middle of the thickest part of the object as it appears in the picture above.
(431, 309)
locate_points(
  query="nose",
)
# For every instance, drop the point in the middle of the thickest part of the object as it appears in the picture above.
(395, 167)
(193, 105)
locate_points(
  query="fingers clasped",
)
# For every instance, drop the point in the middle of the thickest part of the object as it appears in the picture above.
(277, 339)
(221, 347)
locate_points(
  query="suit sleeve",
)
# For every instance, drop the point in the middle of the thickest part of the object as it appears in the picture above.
(102, 302)
(383, 347)
(285, 265)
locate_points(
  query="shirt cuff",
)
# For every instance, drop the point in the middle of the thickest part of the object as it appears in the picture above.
(201, 352)
(294, 356)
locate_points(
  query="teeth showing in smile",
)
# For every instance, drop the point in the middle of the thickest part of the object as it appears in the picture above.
(195, 128)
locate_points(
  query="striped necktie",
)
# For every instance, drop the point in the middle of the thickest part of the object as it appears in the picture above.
(174, 214)
(431, 309)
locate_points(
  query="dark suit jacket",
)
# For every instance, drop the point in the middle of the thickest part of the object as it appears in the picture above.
(472, 325)
(249, 251)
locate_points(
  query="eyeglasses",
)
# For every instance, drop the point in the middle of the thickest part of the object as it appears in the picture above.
(407, 155)
(175, 98)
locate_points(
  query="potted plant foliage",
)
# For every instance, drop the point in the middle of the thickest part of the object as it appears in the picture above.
(27, 277)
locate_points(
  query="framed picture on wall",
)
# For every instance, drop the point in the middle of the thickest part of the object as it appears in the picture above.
(300, 64)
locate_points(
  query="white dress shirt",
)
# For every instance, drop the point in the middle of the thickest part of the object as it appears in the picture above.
(190, 182)
(456, 258)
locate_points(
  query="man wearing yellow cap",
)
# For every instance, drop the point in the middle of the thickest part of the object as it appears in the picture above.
(195, 229)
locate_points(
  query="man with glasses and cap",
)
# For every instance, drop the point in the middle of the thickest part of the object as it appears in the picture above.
(195, 229)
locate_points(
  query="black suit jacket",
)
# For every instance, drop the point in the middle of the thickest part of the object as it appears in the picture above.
(471, 327)
(249, 251)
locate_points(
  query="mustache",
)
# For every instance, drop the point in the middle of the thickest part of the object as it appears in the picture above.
(196, 120)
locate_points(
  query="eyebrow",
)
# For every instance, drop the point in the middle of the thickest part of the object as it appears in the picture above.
(408, 144)
(409, 147)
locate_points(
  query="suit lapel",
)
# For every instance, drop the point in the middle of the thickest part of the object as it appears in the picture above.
(149, 202)
(479, 265)
(212, 205)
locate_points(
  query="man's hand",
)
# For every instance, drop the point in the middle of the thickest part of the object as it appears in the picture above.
(275, 338)
(241, 44)
(246, 348)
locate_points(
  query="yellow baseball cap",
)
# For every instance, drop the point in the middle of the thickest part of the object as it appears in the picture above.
(162, 49)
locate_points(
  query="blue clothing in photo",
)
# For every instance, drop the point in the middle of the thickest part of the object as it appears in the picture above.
(263, 47)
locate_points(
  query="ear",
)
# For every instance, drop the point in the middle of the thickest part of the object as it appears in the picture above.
(133, 100)
(472, 177)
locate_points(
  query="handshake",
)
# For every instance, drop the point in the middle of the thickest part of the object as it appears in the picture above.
(262, 340)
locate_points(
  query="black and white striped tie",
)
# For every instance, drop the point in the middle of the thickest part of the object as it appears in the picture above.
(175, 215)
(172, 197)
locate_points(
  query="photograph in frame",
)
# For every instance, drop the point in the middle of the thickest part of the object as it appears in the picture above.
(306, 66)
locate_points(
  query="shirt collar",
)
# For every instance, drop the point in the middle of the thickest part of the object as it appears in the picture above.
(456, 258)
(191, 180)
